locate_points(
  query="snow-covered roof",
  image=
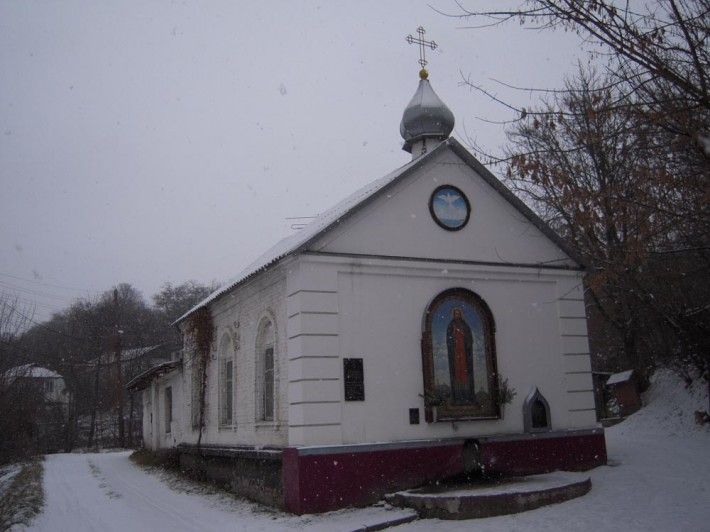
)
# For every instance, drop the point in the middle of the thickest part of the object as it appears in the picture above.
(130, 354)
(321, 223)
(126, 354)
(142, 380)
(332, 217)
(623, 376)
(31, 370)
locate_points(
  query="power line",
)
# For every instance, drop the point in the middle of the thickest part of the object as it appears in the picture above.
(51, 285)
(50, 329)
(32, 302)
(19, 288)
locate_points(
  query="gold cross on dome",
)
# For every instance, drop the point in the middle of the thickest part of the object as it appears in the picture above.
(422, 45)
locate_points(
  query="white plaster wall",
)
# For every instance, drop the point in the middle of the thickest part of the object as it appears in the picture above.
(314, 378)
(576, 361)
(148, 417)
(154, 413)
(398, 222)
(373, 308)
(59, 393)
(265, 295)
(162, 438)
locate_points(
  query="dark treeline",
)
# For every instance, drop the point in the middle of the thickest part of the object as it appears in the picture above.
(82, 344)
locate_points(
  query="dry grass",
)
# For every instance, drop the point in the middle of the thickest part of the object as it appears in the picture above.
(166, 466)
(24, 497)
(163, 460)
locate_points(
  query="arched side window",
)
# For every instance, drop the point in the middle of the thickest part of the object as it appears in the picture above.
(536, 412)
(459, 361)
(265, 366)
(226, 381)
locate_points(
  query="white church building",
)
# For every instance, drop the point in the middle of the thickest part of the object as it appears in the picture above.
(426, 326)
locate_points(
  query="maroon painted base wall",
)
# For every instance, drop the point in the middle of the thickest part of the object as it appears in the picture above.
(542, 453)
(328, 478)
(322, 482)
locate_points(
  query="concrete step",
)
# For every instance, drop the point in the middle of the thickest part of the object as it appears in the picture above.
(487, 499)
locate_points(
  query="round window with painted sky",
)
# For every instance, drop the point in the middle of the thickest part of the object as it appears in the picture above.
(449, 207)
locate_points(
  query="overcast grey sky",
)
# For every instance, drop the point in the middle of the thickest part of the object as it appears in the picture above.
(149, 141)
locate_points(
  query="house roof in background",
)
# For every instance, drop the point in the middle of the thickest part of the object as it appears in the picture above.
(142, 380)
(620, 377)
(126, 354)
(34, 371)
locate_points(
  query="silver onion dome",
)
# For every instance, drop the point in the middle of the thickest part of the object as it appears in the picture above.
(426, 116)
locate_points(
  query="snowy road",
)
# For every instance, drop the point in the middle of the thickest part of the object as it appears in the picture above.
(106, 492)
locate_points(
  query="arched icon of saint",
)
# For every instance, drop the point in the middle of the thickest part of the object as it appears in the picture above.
(459, 345)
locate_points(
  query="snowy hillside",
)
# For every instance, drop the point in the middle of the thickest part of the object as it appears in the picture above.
(669, 408)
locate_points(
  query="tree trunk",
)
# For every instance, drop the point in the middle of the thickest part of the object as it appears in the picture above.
(70, 433)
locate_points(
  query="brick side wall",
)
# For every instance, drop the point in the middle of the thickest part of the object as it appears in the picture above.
(237, 315)
(254, 475)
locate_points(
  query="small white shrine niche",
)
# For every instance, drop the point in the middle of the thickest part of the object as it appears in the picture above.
(536, 412)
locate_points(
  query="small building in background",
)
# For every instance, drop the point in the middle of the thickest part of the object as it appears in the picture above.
(624, 393)
(601, 395)
(41, 403)
(134, 360)
(160, 391)
(48, 381)
(102, 373)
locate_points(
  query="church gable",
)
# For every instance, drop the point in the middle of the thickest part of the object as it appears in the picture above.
(447, 210)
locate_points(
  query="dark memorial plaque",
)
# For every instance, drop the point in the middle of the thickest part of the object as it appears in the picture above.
(414, 416)
(354, 379)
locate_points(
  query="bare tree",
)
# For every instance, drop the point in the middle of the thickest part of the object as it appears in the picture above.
(621, 163)
(596, 171)
(584, 165)
(657, 51)
(14, 317)
(658, 65)
(20, 400)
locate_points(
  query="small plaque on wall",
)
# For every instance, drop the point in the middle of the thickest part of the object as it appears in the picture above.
(354, 379)
(414, 416)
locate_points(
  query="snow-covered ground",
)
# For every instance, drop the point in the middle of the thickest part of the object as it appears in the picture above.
(658, 478)
(526, 484)
(106, 492)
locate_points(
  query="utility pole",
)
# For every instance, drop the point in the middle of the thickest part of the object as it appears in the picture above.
(92, 430)
(130, 422)
(119, 372)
